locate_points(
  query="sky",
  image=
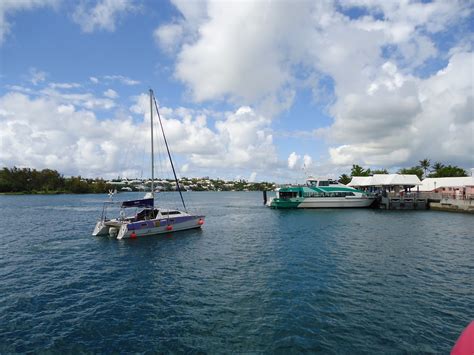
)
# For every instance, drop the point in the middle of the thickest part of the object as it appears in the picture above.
(258, 90)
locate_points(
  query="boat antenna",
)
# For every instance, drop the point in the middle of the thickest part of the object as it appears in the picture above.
(168, 150)
(152, 151)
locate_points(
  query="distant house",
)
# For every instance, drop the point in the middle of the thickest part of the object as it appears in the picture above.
(117, 183)
(453, 187)
(385, 182)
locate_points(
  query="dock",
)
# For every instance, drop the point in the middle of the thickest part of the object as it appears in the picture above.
(403, 203)
(424, 202)
(453, 205)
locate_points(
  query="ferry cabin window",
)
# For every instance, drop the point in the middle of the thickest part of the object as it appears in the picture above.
(323, 183)
(328, 194)
(287, 194)
(312, 183)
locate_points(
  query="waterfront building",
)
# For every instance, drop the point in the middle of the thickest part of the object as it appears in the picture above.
(392, 183)
(460, 188)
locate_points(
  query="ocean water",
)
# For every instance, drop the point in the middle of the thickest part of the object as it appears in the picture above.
(253, 280)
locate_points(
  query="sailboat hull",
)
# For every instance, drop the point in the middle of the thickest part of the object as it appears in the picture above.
(159, 226)
(100, 229)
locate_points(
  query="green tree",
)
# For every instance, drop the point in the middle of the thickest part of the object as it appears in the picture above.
(425, 164)
(437, 166)
(380, 171)
(449, 171)
(357, 170)
(344, 179)
(415, 170)
(5, 180)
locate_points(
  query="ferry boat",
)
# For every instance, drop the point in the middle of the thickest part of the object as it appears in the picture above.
(320, 193)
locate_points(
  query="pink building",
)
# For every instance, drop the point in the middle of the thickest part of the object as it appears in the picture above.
(461, 188)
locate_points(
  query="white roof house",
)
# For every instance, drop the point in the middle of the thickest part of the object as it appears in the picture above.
(385, 180)
(360, 181)
(430, 184)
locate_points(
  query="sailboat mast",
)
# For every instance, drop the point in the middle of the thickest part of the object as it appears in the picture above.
(152, 149)
(169, 154)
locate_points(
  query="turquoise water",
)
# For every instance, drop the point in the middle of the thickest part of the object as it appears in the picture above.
(252, 280)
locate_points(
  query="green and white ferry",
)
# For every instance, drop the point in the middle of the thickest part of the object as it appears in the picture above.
(320, 193)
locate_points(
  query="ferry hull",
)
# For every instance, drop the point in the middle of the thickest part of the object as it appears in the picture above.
(335, 203)
(326, 202)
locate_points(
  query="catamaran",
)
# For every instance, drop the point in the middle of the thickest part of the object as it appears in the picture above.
(320, 193)
(148, 219)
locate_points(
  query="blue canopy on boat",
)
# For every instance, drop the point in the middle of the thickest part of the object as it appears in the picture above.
(144, 202)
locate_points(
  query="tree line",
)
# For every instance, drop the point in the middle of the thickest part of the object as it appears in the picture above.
(421, 170)
(26, 180)
(47, 181)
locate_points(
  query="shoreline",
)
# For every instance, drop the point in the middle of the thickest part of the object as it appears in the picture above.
(102, 193)
(49, 193)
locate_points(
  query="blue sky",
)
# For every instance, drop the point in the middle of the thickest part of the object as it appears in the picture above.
(265, 90)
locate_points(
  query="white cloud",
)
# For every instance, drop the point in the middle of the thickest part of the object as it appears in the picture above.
(122, 79)
(383, 112)
(185, 168)
(307, 161)
(103, 15)
(430, 117)
(83, 100)
(19, 88)
(257, 55)
(141, 105)
(59, 136)
(9, 7)
(228, 50)
(169, 36)
(237, 140)
(372, 154)
(37, 76)
(293, 159)
(253, 176)
(111, 94)
(64, 85)
(405, 18)
(193, 11)
(445, 126)
(64, 133)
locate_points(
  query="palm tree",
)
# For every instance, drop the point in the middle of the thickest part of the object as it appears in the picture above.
(357, 170)
(425, 164)
(344, 179)
(379, 171)
(438, 166)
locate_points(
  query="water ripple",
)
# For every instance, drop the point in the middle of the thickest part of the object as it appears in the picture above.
(253, 280)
